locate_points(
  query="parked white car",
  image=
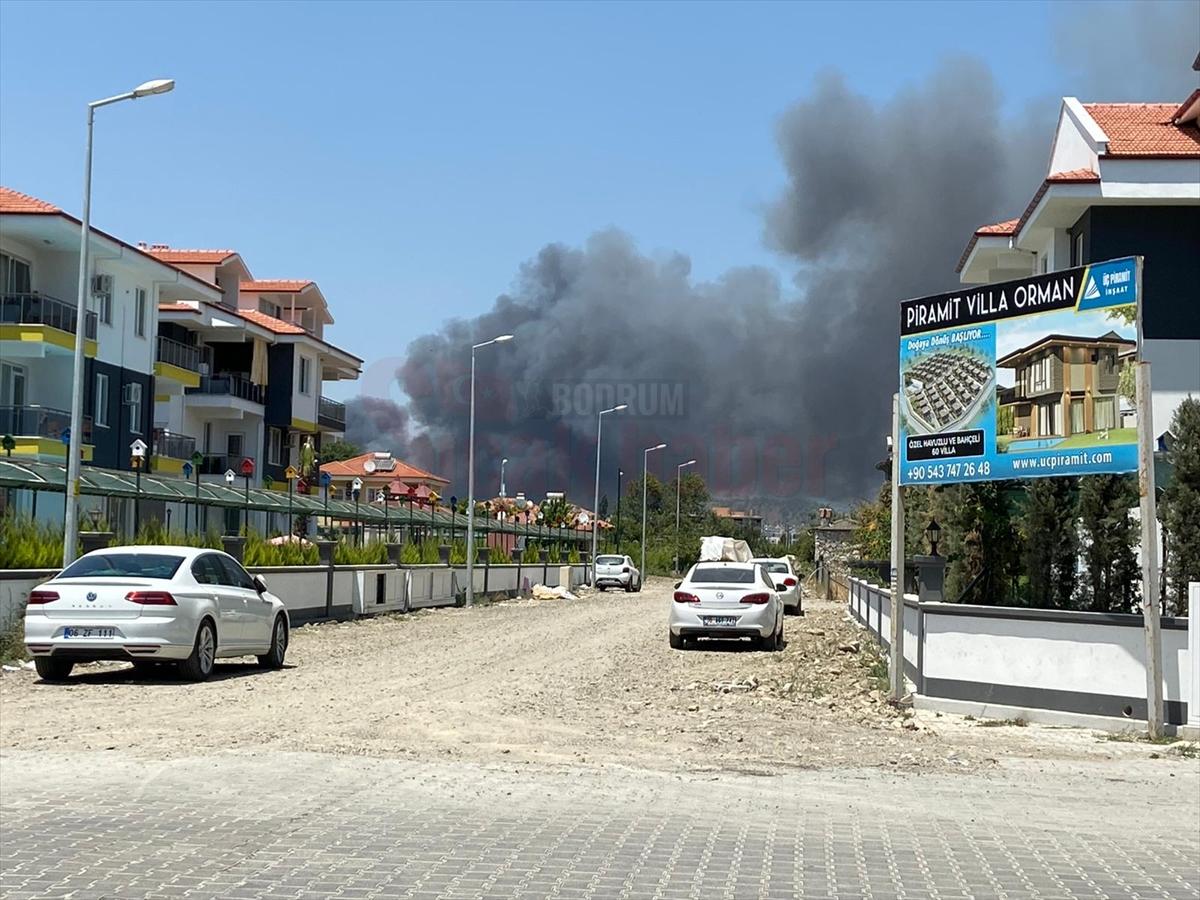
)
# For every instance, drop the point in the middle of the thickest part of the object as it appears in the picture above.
(150, 604)
(617, 571)
(787, 582)
(727, 600)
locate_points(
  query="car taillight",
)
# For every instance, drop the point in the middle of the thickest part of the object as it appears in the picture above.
(151, 598)
(625, 571)
(789, 582)
(756, 598)
(685, 597)
(36, 597)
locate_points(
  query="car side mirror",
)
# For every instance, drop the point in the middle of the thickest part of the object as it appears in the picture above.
(260, 584)
(677, 584)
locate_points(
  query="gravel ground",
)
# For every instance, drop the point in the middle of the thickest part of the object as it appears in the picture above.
(590, 681)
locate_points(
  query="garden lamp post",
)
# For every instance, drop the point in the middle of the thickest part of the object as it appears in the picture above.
(186, 471)
(645, 467)
(355, 490)
(137, 458)
(229, 479)
(678, 484)
(471, 472)
(933, 533)
(596, 500)
(326, 480)
(247, 473)
(75, 446)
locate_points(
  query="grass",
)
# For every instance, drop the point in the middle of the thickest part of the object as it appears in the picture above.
(1000, 723)
(877, 669)
(1137, 737)
(12, 643)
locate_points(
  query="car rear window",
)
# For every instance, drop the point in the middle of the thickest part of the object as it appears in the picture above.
(122, 565)
(610, 560)
(715, 575)
(775, 566)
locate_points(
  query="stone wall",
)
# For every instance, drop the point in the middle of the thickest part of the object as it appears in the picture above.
(835, 545)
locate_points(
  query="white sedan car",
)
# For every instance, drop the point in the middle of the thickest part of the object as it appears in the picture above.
(727, 600)
(783, 573)
(146, 604)
(618, 572)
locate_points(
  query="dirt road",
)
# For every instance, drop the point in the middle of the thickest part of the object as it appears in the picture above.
(588, 681)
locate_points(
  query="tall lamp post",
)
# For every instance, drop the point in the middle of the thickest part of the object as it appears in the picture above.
(645, 465)
(471, 472)
(620, 472)
(596, 500)
(71, 525)
(503, 463)
(678, 484)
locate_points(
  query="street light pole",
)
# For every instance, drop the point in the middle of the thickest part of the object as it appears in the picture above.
(74, 448)
(503, 463)
(471, 473)
(645, 466)
(596, 501)
(619, 474)
(678, 484)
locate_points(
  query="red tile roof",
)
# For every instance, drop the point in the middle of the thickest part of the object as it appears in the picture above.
(177, 256)
(1074, 176)
(177, 307)
(15, 202)
(279, 285)
(350, 468)
(270, 322)
(1145, 130)
(1006, 227)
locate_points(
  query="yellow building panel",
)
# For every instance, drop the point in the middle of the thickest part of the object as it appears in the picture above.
(44, 334)
(186, 377)
(301, 425)
(42, 446)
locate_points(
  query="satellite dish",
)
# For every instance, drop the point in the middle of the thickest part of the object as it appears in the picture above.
(369, 466)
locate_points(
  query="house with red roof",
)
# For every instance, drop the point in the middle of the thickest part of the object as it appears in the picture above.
(379, 470)
(1123, 179)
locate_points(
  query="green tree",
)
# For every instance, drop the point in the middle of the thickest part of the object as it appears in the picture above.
(1110, 536)
(1181, 503)
(1005, 419)
(1051, 542)
(873, 525)
(603, 510)
(1127, 382)
(979, 540)
(338, 449)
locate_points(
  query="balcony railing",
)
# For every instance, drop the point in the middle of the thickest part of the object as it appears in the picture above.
(40, 421)
(176, 446)
(184, 356)
(220, 463)
(40, 309)
(232, 384)
(331, 414)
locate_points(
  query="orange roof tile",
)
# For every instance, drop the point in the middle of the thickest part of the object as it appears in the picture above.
(177, 307)
(1006, 227)
(15, 202)
(177, 256)
(270, 322)
(1145, 130)
(278, 285)
(1074, 176)
(350, 468)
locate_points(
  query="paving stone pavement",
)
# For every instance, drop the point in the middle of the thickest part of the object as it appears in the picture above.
(275, 825)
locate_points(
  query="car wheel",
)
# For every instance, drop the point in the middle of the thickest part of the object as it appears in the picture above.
(279, 641)
(675, 640)
(778, 643)
(602, 588)
(199, 665)
(51, 669)
(629, 586)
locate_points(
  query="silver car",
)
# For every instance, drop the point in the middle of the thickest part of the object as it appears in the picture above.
(783, 573)
(618, 572)
(727, 600)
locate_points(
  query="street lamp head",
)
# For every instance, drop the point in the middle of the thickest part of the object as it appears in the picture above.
(157, 86)
(656, 447)
(503, 338)
(504, 461)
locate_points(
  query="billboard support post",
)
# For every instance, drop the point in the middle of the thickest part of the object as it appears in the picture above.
(896, 651)
(1154, 704)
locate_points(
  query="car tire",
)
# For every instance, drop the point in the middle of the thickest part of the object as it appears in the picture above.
(629, 586)
(602, 588)
(199, 665)
(273, 658)
(777, 643)
(676, 641)
(51, 669)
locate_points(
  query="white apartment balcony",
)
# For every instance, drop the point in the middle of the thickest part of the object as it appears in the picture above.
(35, 325)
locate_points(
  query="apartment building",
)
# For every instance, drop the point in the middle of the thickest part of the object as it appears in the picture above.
(184, 350)
(1123, 179)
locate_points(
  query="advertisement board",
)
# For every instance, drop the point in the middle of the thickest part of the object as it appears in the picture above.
(1020, 379)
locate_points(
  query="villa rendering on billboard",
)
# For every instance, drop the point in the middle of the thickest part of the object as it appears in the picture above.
(1021, 379)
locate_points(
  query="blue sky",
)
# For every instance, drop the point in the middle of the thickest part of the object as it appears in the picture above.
(410, 157)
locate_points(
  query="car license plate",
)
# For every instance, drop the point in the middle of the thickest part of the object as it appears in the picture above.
(719, 620)
(76, 632)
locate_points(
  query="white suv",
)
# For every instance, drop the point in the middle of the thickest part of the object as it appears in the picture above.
(619, 572)
(727, 600)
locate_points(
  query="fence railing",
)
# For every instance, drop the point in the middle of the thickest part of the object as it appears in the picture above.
(231, 384)
(39, 421)
(42, 309)
(185, 356)
(330, 412)
(175, 446)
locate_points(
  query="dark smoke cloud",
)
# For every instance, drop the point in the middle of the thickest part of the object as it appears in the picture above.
(787, 389)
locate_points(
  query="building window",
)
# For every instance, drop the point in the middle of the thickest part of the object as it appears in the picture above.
(207, 433)
(100, 401)
(134, 389)
(139, 312)
(14, 275)
(1076, 417)
(1077, 248)
(102, 295)
(275, 448)
(1104, 413)
(305, 366)
(1049, 419)
(234, 445)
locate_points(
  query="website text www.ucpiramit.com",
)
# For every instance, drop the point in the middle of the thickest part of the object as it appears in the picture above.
(1061, 460)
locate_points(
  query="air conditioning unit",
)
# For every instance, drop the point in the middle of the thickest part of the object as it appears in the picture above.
(102, 284)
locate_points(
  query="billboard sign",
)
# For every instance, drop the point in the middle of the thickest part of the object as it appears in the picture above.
(1020, 379)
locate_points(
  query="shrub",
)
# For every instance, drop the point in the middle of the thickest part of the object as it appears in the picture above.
(346, 554)
(26, 544)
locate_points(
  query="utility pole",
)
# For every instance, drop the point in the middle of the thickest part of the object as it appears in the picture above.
(896, 655)
(1149, 513)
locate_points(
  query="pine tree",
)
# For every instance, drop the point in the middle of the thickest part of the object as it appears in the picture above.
(1051, 542)
(1181, 503)
(1110, 535)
